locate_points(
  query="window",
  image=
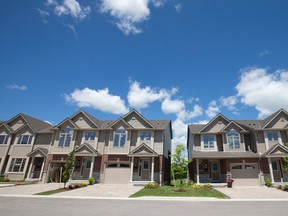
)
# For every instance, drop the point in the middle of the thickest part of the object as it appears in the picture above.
(249, 167)
(88, 164)
(233, 139)
(4, 139)
(145, 165)
(237, 167)
(17, 165)
(90, 135)
(119, 138)
(208, 141)
(24, 139)
(272, 135)
(274, 165)
(65, 137)
(145, 136)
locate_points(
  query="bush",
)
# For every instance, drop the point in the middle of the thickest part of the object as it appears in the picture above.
(268, 182)
(2, 179)
(285, 188)
(84, 184)
(91, 181)
(152, 185)
(279, 187)
(201, 186)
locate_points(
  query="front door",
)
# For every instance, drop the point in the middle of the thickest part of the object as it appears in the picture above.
(85, 168)
(215, 171)
(276, 170)
(144, 171)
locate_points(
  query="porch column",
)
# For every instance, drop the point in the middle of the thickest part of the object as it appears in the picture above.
(92, 167)
(152, 170)
(42, 168)
(271, 170)
(197, 171)
(131, 170)
(30, 168)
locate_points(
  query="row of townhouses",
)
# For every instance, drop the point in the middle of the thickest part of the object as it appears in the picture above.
(248, 151)
(133, 149)
(129, 149)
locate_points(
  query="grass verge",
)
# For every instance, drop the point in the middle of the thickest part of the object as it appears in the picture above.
(50, 192)
(170, 191)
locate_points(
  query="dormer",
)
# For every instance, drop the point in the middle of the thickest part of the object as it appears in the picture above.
(215, 125)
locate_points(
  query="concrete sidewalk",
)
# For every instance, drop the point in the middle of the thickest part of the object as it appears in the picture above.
(29, 189)
(254, 193)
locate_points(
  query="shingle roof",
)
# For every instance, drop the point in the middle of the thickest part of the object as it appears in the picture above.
(35, 124)
(248, 154)
(95, 121)
(195, 128)
(160, 124)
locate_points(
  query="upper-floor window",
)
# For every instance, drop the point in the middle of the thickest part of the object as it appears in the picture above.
(233, 139)
(90, 135)
(272, 135)
(208, 141)
(24, 139)
(119, 138)
(65, 137)
(4, 139)
(145, 136)
(17, 165)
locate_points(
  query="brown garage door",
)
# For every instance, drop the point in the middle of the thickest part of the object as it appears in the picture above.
(118, 174)
(245, 174)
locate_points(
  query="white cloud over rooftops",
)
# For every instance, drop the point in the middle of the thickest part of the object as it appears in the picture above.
(17, 87)
(97, 99)
(267, 92)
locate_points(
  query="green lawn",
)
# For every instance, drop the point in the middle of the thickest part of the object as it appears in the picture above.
(170, 191)
(50, 192)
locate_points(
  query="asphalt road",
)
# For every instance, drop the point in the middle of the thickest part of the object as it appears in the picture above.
(19, 206)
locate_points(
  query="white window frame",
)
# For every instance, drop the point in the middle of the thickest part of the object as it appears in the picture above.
(233, 146)
(209, 146)
(5, 139)
(65, 135)
(274, 132)
(120, 133)
(89, 136)
(20, 139)
(144, 136)
(21, 165)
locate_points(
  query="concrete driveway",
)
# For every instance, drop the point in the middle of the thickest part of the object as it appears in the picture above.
(254, 193)
(103, 190)
(29, 189)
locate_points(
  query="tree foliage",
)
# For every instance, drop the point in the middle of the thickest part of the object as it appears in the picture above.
(179, 163)
(285, 164)
(68, 168)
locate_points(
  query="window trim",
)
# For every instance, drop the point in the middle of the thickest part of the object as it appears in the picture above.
(20, 138)
(233, 146)
(89, 136)
(145, 133)
(63, 138)
(21, 165)
(214, 148)
(5, 139)
(123, 132)
(273, 132)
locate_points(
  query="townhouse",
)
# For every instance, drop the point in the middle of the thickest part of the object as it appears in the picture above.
(248, 151)
(130, 149)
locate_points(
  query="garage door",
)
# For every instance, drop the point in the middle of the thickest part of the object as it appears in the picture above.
(245, 174)
(117, 174)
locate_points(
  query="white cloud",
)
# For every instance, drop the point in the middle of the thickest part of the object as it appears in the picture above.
(69, 7)
(264, 53)
(43, 13)
(178, 7)
(72, 28)
(230, 102)
(17, 87)
(128, 14)
(97, 99)
(172, 106)
(267, 92)
(48, 122)
(213, 109)
(141, 97)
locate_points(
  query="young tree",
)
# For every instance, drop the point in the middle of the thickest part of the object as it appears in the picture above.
(68, 168)
(179, 165)
(285, 164)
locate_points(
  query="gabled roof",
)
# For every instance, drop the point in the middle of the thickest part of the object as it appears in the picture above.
(195, 128)
(237, 125)
(137, 113)
(23, 126)
(65, 120)
(250, 124)
(276, 150)
(86, 150)
(7, 126)
(119, 120)
(38, 151)
(271, 117)
(94, 121)
(143, 150)
(219, 115)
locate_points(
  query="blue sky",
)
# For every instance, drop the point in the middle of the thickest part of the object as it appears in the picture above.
(182, 60)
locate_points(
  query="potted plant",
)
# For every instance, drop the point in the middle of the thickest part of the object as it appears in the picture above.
(229, 182)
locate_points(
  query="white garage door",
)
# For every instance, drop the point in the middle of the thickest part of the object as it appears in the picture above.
(245, 174)
(119, 174)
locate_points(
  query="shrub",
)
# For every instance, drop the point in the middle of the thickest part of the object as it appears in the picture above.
(91, 181)
(279, 187)
(152, 185)
(77, 185)
(84, 184)
(2, 179)
(268, 182)
(201, 186)
(285, 188)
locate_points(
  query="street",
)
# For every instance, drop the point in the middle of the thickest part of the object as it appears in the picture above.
(21, 206)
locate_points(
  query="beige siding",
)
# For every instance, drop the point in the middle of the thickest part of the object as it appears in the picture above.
(284, 137)
(3, 150)
(82, 121)
(217, 125)
(17, 123)
(158, 142)
(136, 121)
(225, 140)
(63, 150)
(20, 151)
(197, 143)
(280, 121)
(101, 142)
(43, 139)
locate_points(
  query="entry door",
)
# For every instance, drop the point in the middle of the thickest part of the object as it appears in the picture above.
(85, 168)
(276, 170)
(145, 169)
(215, 171)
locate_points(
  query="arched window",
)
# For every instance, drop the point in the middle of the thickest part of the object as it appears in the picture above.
(233, 139)
(65, 137)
